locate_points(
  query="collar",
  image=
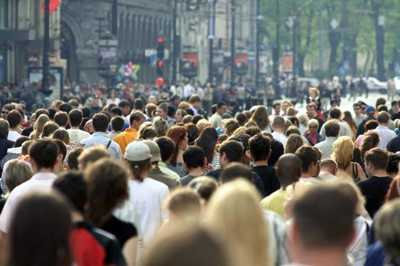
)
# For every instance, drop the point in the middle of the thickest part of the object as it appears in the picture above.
(44, 176)
(98, 133)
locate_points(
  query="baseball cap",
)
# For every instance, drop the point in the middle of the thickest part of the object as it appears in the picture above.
(154, 150)
(370, 109)
(137, 151)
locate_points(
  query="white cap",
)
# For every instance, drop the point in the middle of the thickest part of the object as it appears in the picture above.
(137, 151)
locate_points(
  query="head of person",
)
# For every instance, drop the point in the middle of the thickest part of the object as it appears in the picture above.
(193, 133)
(62, 135)
(14, 119)
(309, 157)
(75, 118)
(125, 107)
(91, 155)
(260, 148)
(207, 140)
(357, 108)
(38, 125)
(376, 160)
(136, 119)
(313, 211)
(380, 101)
(204, 186)
(4, 128)
(139, 104)
(61, 119)
(107, 182)
(179, 135)
(370, 125)
(235, 171)
(292, 130)
(279, 124)
(194, 158)
(383, 118)
(260, 117)
(343, 150)
(387, 229)
(100, 122)
(160, 126)
(179, 115)
(167, 147)
(187, 245)
(117, 123)
(230, 151)
(221, 108)
(49, 129)
(293, 142)
(277, 108)
(332, 129)
(335, 113)
(138, 156)
(183, 204)
(44, 154)
(40, 231)
(195, 101)
(16, 173)
(235, 208)
(72, 158)
(73, 187)
(288, 169)
(313, 126)
(393, 165)
(329, 166)
(230, 126)
(162, 110)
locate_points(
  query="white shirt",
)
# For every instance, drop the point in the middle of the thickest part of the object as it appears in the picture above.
(385, 136)
(41, 181)
(344, 130)
(216, 120)
(13, 135)
(144, 206)
(326, 147)
(101, 138)
(280, 137)
(76, 135)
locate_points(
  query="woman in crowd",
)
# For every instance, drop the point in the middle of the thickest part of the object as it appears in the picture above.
(107, 182)
(342, 154)
(312, 134)
(349, 120)
(40, 232)
(179, 135)
(370, 141)
(261, 119)
(208, 141)
(293, 142)
(235, 208)
(38, 126)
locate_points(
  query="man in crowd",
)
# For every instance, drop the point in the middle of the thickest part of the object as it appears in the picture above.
(76, 135)
(279, 128)
(100, 137)
(195, 163)
(384, 132)
(132, 133)
(310, 158)
(332, 132)
(216, 119)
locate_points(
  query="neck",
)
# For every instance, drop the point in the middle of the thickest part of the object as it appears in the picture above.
(278, 130)
(261, 163)
(321, 257)
(196, 171)
(383, 125)
(379, 173)
(76, 216)
(307, 174)
(45, 170)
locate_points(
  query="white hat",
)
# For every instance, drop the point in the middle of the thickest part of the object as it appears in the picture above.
(137, 151)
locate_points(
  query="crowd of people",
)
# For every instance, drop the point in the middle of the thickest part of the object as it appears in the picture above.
(164, 182)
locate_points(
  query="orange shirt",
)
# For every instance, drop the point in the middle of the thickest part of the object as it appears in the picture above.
(126, 137)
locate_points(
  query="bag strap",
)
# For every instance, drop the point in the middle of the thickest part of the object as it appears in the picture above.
(108, 144)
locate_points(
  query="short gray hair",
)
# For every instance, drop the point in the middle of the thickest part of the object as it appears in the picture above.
(16, 173)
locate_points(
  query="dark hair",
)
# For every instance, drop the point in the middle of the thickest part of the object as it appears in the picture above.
(194, 157)
(277, 150)
(371, 140)
(65, 107)
(371, 124)
(44, 153)
(233, 150)
(139, 104)
(383, 117)
(138, 168)
(72, 185)
(236, 170)
(167, 147)
(260, 147)
(100, 122)
(335, 113)
(207, 140)
(62, 148)
(241, 118)
(117, 123)
(380, 101)
(61, 134)
(193, 132)
(378, 158)
(196, 119)
(308, 155)
(393, 164)
(204, 186)
(75, 117)
(4, 128)
(147, 133)
(136, 116)
(72, 158)
(49, 128)
(107, 181)
(288, 169)
(61, 119)
(231, 125)
(116, 111)
(314, 211)
(14, 118)
(332, 128)
(124, 103)
(40, 232)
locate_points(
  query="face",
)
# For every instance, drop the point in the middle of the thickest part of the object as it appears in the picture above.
(178, 116)
(357, 109)
(222, 110)
(313, 128)
(184, 143)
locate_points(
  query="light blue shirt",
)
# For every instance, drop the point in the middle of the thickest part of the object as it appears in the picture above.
(101, 138)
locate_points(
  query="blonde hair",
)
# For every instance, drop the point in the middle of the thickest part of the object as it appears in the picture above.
(260, 116)
(39, 125)
(293, 142)
(313, 122)
(235, 213)
(203, 124)
(91, 155)
(184, 204)
(343, 152)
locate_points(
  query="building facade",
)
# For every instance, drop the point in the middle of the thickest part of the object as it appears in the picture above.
(84, 27)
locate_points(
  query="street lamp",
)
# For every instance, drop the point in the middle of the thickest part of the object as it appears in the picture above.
(233, 41)
(46, 46)
(259, 19)
(211, 35)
